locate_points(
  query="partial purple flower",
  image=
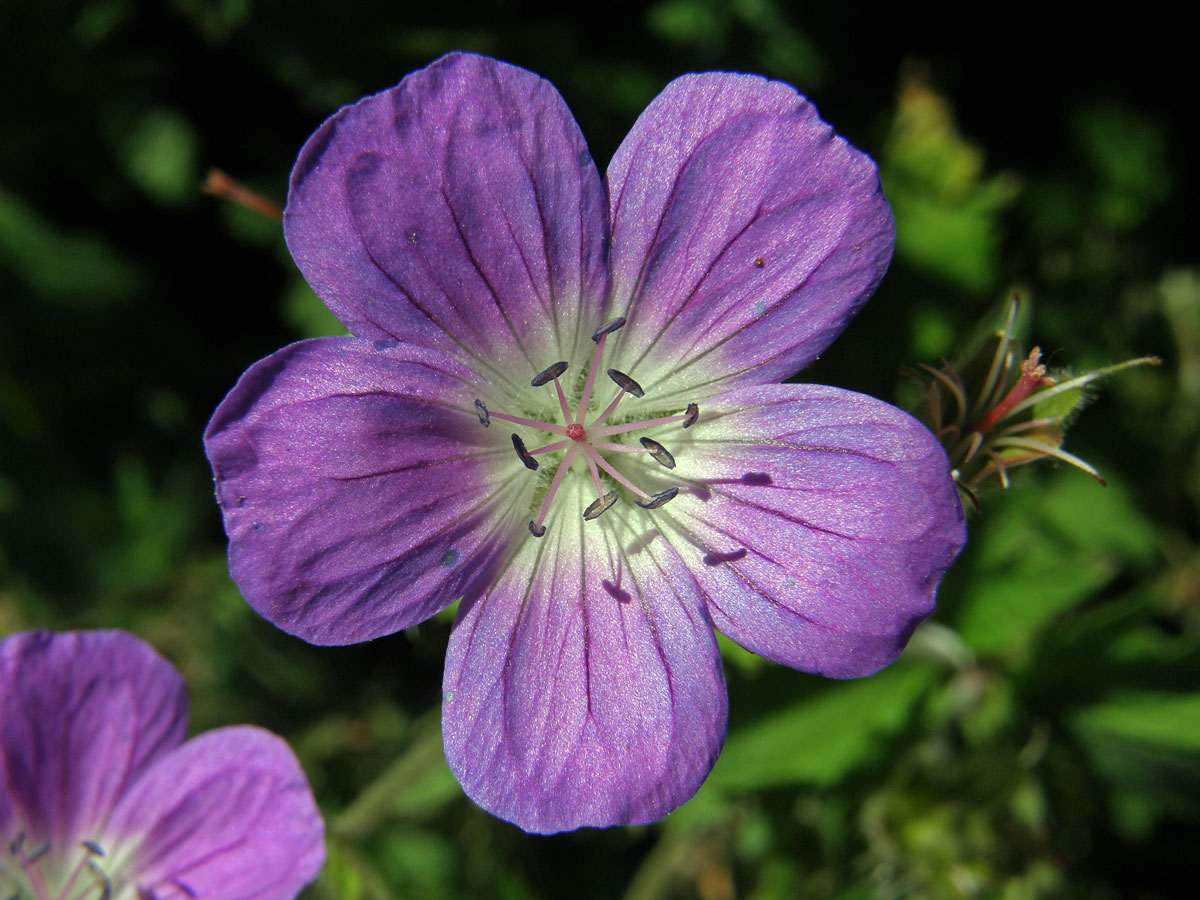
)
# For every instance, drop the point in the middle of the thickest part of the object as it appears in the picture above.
(561, 404)
(101, 797)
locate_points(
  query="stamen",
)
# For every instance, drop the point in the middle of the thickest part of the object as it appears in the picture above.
(608, 328)
(589, 441)
(603, 417)
(101, 879)
(480, 410)
(36, 878)
(625, 383)
(562, 401)
(662, 498)
(619, 448)
(607, 430)
(590, 382)
(595, 474)
(523, 454)
(36, 854)
(601, 506)
(550, 448)
(531, 423)
(619, 478)
(549, 373)
(660, 453)
(94, 850)
(537, 529)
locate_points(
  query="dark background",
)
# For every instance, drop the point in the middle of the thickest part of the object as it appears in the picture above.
(1042, 735)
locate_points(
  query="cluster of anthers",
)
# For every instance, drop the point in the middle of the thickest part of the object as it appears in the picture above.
(38, 875)
(590, 440)
(86, 880)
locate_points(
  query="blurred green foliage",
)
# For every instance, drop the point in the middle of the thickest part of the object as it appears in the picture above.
(1041, 737)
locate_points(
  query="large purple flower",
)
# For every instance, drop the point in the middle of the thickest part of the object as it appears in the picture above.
(101, 798)
(509, 309)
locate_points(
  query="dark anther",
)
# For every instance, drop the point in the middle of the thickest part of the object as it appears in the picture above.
(37, 854)
(92, 847)
(18, 843)
(480, 410)
(624, 381)
(549, 373)
(537, 530)
(600, 506)
(693, 413)
(523, 454)
(607, 328)
(662, 498)
(660, 453)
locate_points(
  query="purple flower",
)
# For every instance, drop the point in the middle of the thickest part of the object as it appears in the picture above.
(623, 339)
(101, 797)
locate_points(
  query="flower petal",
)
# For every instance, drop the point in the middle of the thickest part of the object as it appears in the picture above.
(229, 814)
(818, 523)
(459, 210)
(359, 493)
(585, 688)
(81, 715)
(746, 234)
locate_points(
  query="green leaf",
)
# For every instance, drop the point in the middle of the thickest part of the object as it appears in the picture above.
(306, 314)
(1008, 604)
(1126, 152)
(1048, 546)
(1153, 717)
(160, 157)
(1145, 746)
(1056, 405)
(824, 736)
(78, 270)
(417, 782)
(418, 861)
(947, 212)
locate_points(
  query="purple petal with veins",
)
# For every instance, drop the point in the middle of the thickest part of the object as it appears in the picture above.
(360, 494)
(584, 690)
(100, 795)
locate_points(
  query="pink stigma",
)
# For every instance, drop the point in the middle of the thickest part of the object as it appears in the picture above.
(575, 432)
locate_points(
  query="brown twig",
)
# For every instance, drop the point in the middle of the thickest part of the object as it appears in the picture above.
(218, 184)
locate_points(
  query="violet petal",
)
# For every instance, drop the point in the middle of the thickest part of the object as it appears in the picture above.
(359, 492)
(82, 714)
(746, 234)
(459, 210)
(228, 814)
(584, 691)
(818, 525)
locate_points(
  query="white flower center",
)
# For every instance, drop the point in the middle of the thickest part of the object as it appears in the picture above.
(590, 441)
(36, 871)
